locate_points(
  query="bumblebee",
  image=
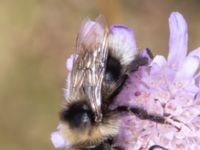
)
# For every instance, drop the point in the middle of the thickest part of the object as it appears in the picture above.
(84, 124)
(102, 61)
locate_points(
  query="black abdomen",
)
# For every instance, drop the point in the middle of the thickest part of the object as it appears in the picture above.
(113, 70)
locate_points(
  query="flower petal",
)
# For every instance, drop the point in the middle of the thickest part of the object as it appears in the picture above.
(57, 140)
(159, 60)
(178, 41)
(122, 40)
(195, 52)
(189, 68)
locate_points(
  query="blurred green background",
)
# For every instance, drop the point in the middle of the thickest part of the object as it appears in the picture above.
(36, 36)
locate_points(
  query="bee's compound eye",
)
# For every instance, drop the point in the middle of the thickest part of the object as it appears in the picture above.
(80, 119)
(79, 115)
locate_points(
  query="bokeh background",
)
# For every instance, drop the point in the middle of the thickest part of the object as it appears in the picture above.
(36, 37)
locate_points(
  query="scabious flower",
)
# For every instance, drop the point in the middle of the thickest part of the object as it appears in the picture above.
(167, 87)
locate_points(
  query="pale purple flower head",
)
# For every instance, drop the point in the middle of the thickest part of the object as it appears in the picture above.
(169, 88)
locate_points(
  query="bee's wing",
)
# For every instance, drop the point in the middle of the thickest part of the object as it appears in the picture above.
(89, 62)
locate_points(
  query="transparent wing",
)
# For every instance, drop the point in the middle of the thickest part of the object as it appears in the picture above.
(90, 57)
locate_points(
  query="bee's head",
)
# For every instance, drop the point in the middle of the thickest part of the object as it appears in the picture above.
(79, 115)
(79, 128)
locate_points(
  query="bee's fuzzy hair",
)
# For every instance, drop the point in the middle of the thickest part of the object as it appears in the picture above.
(96, 134)
(122, 44)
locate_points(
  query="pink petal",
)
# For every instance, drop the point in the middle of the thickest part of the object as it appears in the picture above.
(189, 68)
(178, 41)
(195, 52)
(122, 40)
(159, 60)
(57, 140)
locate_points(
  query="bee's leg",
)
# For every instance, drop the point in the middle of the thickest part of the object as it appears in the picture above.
(157, 147)
(136, 63)
(117, 147)
(102, 146)
(106, 145)
(141, 113)
(140, 60)
(120, 84)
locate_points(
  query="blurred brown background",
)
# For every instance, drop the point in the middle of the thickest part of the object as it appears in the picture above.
(36, 36)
